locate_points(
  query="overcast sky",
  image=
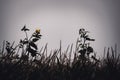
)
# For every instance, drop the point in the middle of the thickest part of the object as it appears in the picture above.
(61, 20)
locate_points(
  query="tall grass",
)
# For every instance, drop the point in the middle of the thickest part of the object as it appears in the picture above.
(33, 64)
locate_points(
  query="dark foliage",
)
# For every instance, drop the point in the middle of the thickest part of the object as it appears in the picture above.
(58, 65)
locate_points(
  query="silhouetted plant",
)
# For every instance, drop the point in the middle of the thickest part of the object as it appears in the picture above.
(31, 47)
(84, 46)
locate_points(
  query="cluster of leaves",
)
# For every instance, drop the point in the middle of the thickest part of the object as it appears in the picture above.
(84, 48)
(31, 47)
(58, 65)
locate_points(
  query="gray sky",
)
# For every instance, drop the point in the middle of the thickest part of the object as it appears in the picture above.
(61, 20)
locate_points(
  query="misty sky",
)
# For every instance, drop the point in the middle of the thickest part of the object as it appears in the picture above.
(61, 20)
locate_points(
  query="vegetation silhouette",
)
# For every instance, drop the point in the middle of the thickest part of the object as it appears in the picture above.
(25, 62)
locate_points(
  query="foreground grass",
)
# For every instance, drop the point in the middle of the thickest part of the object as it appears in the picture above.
(31, 64)
(59, 67)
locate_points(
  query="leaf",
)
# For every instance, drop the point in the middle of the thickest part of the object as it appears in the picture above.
(86, 36)
(21, 41)
(82, 51)
(92, 40)
(33, 52)
(35, 39)
(37, 35)
(24, 28)
(90, 49)
(25, 42)
(33, 45)
(88, 39)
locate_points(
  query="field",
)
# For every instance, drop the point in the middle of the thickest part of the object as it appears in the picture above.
(25, 62)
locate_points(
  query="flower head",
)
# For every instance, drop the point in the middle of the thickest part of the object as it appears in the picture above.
(37, 31)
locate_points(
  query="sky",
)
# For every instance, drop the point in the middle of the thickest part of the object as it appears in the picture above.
(61, 20)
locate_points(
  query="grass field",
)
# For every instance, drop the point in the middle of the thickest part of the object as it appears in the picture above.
(25, 62)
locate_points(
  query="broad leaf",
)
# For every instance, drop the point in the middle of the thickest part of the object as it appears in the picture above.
(90, 49)
(33, 52)
(33, 45)
(35, 39)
